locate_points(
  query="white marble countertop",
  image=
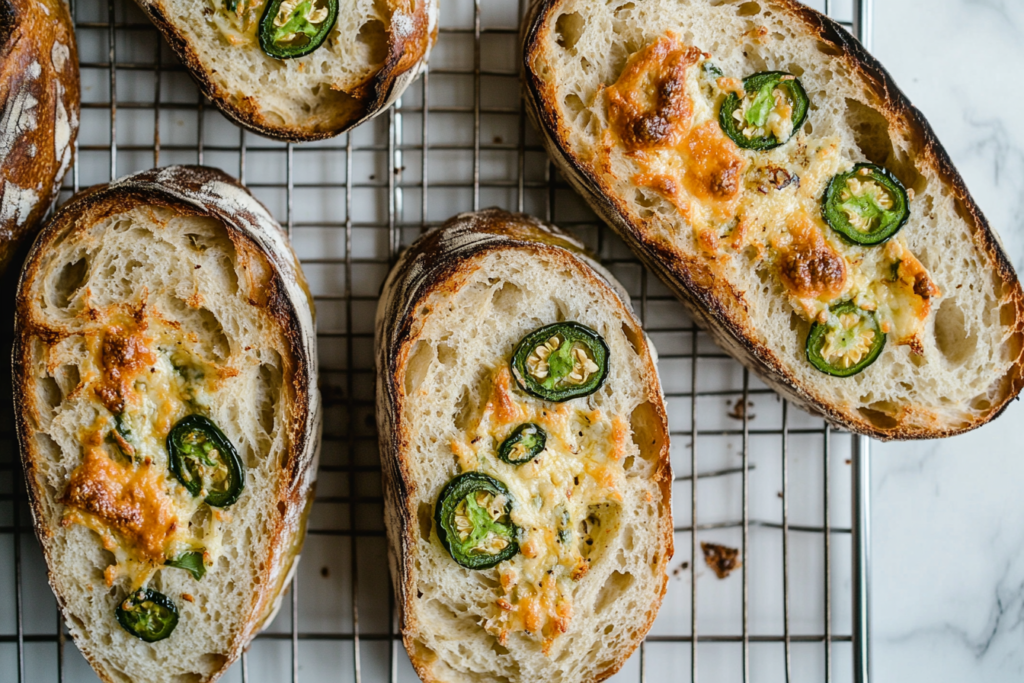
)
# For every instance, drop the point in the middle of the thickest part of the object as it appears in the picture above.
(947, 518)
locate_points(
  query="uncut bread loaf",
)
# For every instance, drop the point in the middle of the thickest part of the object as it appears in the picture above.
(168, 298)
(39, 92)
(568, 588)
(777, 207)
(374, 50)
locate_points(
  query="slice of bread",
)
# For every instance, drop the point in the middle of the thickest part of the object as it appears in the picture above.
(628, 100)
(39, 91)
(593, 508)
(371, 55)
(168, 293)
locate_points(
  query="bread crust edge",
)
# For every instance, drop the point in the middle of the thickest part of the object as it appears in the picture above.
(29, 30)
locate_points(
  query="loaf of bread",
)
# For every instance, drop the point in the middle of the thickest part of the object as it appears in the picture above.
(365, 53)
(168, 417)
(769, 170)
(513, 381)
(39, 121)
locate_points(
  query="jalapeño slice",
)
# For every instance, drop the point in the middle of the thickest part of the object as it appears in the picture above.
(523, 445)
(848, 343)
(294, 28)
(771, 111)
(867, 205)
(472, 518)
(192, 562)
(148, 615)
(203, 459)
(560, 362)
(121, 436)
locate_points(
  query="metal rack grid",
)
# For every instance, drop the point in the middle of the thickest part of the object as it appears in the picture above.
(771, 480)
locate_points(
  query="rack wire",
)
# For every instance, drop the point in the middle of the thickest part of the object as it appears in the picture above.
(779, 485)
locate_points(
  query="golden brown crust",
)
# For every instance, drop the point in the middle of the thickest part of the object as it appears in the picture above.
(405, 53)
(439, 262)
(39, 92)
(715, 305)
(190, 190)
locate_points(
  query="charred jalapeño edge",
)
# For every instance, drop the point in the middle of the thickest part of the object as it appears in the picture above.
(187, 459)
(147, 615)
(560, 362)
(823, 335)
(761, 87)
(870, 196)
(272, 36)
(523, 445)
(464, 488)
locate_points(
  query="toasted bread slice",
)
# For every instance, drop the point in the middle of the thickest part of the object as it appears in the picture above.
(375, 49)
(166, 297)
(629, 99)
(39, 91)
(591, 512)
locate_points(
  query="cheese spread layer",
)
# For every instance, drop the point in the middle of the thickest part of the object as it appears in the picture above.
(566, 502)
(142, 378)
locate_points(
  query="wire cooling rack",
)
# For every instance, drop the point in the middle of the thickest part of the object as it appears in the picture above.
(772, 481)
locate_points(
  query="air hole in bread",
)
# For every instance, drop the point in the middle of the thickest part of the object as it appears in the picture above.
(870, 132)
(878, 418)
(68, 377)
(748, 9)
(374, 36)
(268, 388)
(648, 435)
(465, 407)
(416, 368)
(596, 529)
(446, 355)
(829, 49)
(48, 449)
(48, 390)
(633, 337)
(569, 28)
(614, 587)
(618, 11)
(951, 336)
(961, 210)
(425, 516)
(72, 277)
(981, 403)
(507, 299)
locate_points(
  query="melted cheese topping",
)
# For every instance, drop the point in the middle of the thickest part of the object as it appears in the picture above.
(663, 114)
(238, 27)
(562, 502)
(123, 490)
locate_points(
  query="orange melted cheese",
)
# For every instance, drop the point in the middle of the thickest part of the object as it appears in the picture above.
(123, 489)
(580, 467)
(124, 356)
(808, 267)
(663, 117)
(127, 501)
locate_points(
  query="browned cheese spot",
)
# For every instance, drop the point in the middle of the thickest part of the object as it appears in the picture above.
(124, 356)
(808, 266)
(716, 168)
(129, 500)
(648, 106)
